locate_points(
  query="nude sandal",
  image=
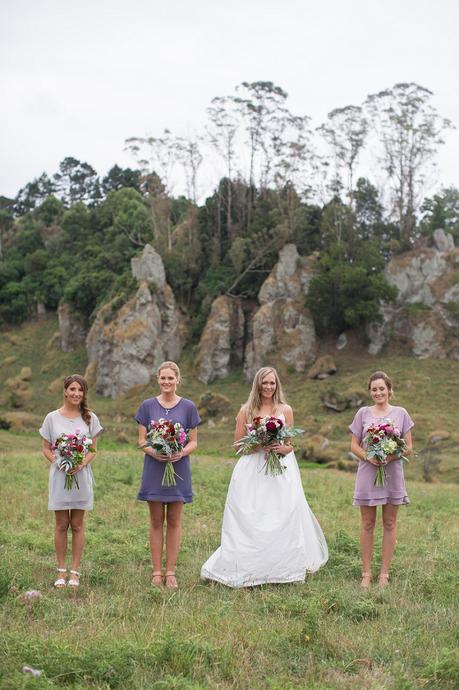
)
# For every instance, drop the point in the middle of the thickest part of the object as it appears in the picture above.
(366, 579)
(73, 582)
(60, 582)
(156, 578)
(170, 581)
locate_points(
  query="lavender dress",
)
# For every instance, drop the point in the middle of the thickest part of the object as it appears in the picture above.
(394, 492)
(151, 488)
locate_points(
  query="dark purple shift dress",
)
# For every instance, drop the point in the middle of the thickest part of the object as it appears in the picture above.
(151, 489)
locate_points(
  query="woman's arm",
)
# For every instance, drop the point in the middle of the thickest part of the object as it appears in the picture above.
(189, 448)
(142, 440)
(360, 452)
(47, 451)
(241, 421)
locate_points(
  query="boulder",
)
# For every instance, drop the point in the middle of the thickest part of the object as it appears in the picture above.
(222, 342)
(213, 405)
(72, 328)
(282, 328)
(425, 316)
(125, 345)
(322, 368)
(338, 401)
(443, 241)
(149, 267)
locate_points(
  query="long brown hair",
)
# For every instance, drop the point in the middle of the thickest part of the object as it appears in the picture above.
(254, 400)
(84, 406)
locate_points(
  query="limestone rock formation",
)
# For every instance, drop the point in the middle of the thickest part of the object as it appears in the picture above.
(282, 328)
(149, 267)
(222, 342)
(126, 346)
(72, 328)
(425, 317)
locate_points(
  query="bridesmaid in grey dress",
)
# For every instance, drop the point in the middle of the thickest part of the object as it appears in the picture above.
(165, 503)
(69, 506)
(368, 496)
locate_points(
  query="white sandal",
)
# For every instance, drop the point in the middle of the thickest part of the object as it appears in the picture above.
(60, 582)
(73, 582)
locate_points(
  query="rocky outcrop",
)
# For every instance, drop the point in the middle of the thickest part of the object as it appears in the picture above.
(425, 316)
(222, 342)
(126, 346)
(72, 328)
(322, 368)
(149, 267)
(282, 328)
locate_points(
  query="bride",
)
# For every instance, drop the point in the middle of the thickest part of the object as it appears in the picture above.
(269, 533)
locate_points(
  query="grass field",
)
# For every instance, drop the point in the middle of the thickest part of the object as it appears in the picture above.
(117, 631)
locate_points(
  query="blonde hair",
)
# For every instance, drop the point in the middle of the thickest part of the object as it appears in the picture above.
(84, 406)
(254, 400)
(170, 365)
(381, 375)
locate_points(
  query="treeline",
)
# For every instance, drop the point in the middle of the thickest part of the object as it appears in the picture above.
(70, 237)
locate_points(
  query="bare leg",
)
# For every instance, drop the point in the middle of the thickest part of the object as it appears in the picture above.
(77, 525)
(389, 539)
(173, 537)
(60, 536)
(156, 538)
(367, 528)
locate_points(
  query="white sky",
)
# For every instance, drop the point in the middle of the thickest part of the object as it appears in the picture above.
(78, 78)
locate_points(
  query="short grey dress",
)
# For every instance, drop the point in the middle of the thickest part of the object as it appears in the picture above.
(61, 498)
(394, 492)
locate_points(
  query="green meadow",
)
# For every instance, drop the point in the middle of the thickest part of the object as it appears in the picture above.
(117, 631)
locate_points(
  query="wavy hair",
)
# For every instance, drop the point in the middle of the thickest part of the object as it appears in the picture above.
(254, 400)
(84, 406)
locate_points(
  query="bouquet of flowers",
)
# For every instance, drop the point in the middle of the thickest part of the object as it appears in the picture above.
(168, 439)
(263, 431)
(71, 450)
(382, 440)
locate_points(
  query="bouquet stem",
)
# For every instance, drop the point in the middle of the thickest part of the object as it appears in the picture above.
(169, 475)
(273, 464)
(380, 479)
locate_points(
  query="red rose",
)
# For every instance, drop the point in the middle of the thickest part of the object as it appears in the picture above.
(271, 426)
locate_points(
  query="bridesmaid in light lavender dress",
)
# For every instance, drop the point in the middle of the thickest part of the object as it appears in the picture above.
(368, 496)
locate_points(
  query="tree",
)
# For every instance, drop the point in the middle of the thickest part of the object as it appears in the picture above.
(410, 131)
(120, 178)
(76, 182)
(345, 132)
(442, 211)
(34, 193)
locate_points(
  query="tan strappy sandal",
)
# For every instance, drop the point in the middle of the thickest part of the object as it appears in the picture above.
(73, 582)
(60, 582)
(366, 579)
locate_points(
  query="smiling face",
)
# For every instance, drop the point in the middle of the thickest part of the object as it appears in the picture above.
(268, 385)
(74, 393)
(167, 381)
(379, 392)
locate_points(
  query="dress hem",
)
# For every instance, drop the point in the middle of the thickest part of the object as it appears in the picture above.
(381, 501)
(165, 499)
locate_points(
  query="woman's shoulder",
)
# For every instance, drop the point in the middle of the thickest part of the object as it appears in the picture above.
(52, 414)
(398, 409)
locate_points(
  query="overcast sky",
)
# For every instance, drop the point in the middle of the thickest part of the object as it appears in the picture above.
(78, 78)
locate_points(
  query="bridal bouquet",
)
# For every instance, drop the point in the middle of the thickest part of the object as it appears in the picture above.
(382, 440)
(71, 450)
(263, 431)
(168, 439)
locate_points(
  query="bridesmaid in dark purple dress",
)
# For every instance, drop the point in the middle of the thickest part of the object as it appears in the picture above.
(368, 496)
(166, 502)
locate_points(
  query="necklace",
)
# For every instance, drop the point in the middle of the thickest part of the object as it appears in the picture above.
(166, 409)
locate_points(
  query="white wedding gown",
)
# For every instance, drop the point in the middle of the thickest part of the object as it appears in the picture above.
(269, 532)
